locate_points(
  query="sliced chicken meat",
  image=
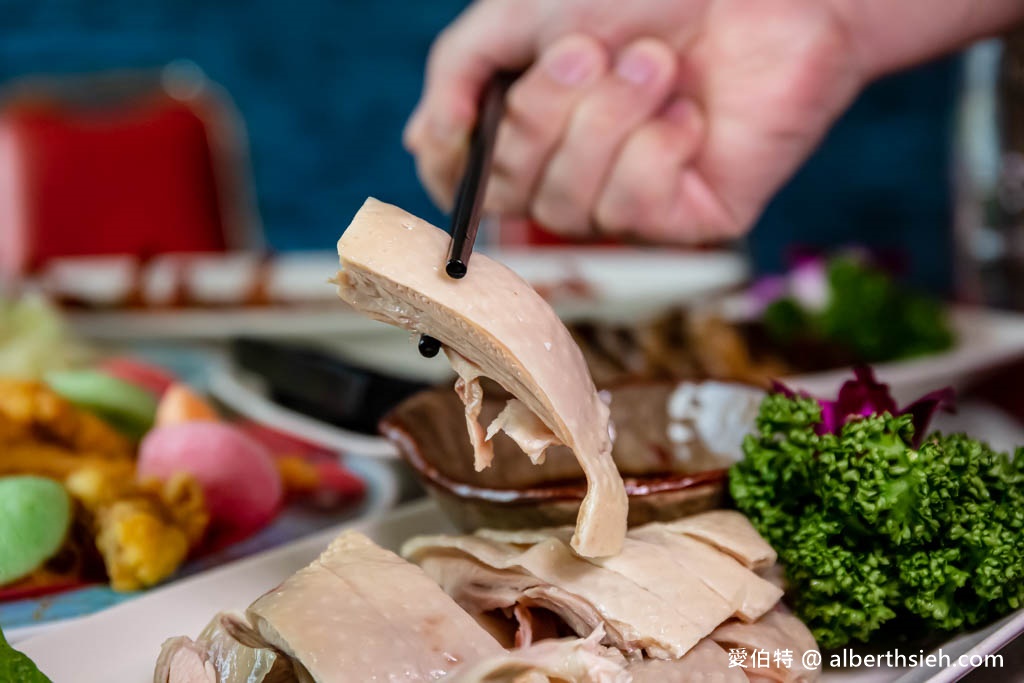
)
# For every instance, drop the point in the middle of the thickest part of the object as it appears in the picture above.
(183, 661)
(730, 532)
(644, 620)
(707, 662)
(660, 611)
(558, 661)
(749, 595)
(777, 631)
(361, 610)
(670, 603)
(672, 584)
(227, 651)
(525, 536)
(653, 568)
(476, 587)
(492, 324)
(635, 618)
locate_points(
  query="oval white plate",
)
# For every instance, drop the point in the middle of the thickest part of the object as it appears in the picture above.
(121, 645)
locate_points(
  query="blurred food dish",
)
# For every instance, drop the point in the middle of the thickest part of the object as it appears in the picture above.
(152, 473)
(247, 395)
(674, 442)
(36, 339)
(32, 616)
(322, 385)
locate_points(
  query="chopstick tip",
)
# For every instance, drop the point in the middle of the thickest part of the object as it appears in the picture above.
(456, 269)
(428, 346)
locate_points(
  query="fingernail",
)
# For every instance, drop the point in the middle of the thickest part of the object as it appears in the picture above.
(571, 66)
(637, 66)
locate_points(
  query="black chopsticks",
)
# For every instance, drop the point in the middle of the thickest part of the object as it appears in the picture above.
(469, 198)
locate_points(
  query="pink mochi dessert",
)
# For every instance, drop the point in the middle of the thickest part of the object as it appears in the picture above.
(238, 476)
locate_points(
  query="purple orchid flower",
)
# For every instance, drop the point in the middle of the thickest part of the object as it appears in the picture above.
(865, 395)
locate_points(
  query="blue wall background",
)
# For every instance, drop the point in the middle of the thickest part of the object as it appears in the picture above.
(881, 178)
(325, 88)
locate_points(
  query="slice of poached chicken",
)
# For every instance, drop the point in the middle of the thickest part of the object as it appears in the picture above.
(583, 594)
(360, 612)
(492, 324)
(705, 663)
(779, 631)
(227, 651)
(730, 532)
(556, 661)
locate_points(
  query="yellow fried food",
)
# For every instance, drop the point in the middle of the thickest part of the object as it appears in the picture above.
(31, 411)
(143, 531)
(56, 462)
(182, 498)
(297, 474)
(139, 546)
(95, 484)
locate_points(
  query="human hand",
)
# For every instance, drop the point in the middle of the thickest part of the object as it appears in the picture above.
(675, 120)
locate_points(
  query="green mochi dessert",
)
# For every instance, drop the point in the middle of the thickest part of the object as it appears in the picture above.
(126, 407)
(35, 514)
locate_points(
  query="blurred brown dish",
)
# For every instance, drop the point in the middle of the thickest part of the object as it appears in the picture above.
(679, 344)
(684, 344)
(665, 477)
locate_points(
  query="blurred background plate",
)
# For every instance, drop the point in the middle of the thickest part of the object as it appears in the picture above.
(578, 281)
(246, 395)
(986, 340)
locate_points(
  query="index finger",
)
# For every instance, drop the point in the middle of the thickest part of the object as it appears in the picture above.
(489, 36)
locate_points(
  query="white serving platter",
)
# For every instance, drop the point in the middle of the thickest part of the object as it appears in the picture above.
(120, 645)
(986, 339)
(619, 282)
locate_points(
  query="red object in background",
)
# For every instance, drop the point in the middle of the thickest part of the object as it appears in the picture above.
(29, 590)
(150, 377)
(519, 232)
(121, 164)
(138, 180)
(335, 479)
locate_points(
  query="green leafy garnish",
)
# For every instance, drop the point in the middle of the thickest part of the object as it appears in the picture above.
(865, 311)
(14, 666)
(872, 530)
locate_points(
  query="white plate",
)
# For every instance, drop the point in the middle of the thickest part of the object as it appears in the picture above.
(625, 282)
(246, 396)
(121, 644)
(985, 339)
